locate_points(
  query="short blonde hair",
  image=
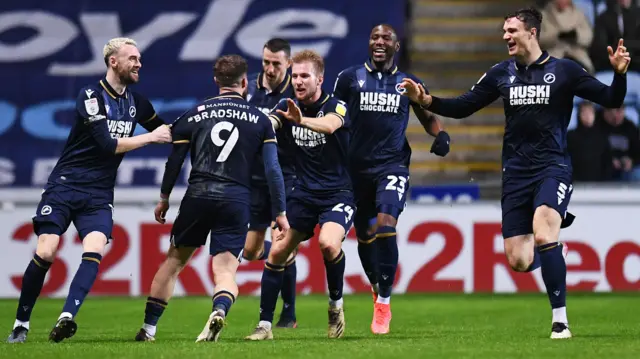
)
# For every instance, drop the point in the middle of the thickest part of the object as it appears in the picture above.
(114, 46)
(309, 56)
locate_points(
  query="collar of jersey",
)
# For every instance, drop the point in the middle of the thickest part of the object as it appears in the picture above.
(324, 97)
(281, 88)
(114, 95)
(230, 94)
(540, 61)
(371, 68)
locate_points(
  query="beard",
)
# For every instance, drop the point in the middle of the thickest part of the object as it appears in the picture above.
(126, 77)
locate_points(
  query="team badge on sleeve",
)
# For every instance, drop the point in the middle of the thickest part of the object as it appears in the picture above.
(91, 105)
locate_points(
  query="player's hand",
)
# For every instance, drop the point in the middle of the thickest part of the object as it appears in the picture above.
(293, 112)
(617, 165)
(162, 134)
(440, 146)
(415, 92)
(621, 59)
(161, 211)
(282, 225)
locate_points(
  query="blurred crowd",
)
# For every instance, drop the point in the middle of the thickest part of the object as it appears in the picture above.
(604, 143)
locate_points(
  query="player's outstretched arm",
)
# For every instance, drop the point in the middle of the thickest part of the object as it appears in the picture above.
(327, 124)
(481, 95)
(91, 111)
(275, 180)
(588, 87)
(161, 134)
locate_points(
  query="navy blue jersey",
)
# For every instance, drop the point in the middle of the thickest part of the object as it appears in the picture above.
(321, 159)
(88, 160)
(259, 96)
(538, 100)
(225, 133)
(379, 115)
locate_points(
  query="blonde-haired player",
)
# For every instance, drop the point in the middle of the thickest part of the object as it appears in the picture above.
(80, 187)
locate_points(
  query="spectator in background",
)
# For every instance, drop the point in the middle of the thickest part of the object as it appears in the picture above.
(566, 32)
(624, 140)
(589, 148)
(620, 20)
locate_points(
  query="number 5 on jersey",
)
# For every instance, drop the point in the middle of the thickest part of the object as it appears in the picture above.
(396, 183)
(229, 144)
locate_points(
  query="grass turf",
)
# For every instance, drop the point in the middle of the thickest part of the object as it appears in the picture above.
(433, 326)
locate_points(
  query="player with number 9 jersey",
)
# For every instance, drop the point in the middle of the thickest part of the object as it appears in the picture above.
(225, 134)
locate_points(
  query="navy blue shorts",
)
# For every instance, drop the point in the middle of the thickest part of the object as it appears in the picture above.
(305, 210)
(60, 205)
(521, 197)
(384, 191)
(261, 216)
(227, 221)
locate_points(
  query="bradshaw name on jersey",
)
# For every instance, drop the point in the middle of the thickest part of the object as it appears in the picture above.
(321, 159)
(379, 114)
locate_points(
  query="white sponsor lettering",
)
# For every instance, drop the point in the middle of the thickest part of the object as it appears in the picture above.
(305, 137)
(120, 129)
(379, 102)
(529, 95)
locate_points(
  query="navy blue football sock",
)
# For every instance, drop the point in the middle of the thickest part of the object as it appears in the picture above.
(32, 283)
(223, 300)
(272, 277)
(388, 258)
(288, 291)
(368, 253)
(335, 275)
(265, 251)
(82, 282)
(554, 273)
(153, 311)
(536, 261)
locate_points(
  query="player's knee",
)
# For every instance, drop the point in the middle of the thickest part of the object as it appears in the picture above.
(386, 220)
(94, 242)
(278, 254)
(253, 245)
(47, 246)
(518, 263)
(330, 244)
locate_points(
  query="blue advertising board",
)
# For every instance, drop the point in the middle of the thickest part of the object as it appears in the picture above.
(50, 49)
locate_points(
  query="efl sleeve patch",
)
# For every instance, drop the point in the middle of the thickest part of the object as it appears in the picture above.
(341, 110)
(92, 107)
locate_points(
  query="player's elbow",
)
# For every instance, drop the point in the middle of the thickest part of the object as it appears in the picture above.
(110, 146)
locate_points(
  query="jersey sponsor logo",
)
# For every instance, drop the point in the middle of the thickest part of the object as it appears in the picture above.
(120, 129)
(305, 137)
(88, 92)
(379, 102)
(529, 95)
(91, 105)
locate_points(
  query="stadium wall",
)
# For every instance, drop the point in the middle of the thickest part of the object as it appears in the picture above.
(444, 247)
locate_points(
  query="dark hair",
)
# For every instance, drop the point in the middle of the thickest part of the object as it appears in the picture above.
(277, 44)
(531, 18)
(229, 70)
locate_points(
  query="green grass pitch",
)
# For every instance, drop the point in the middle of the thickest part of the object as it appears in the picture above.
(423, 326)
